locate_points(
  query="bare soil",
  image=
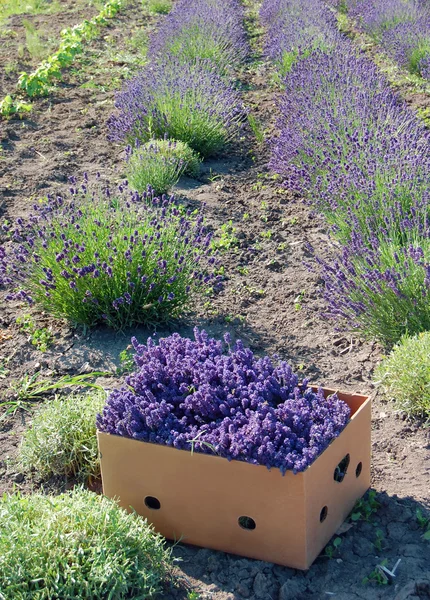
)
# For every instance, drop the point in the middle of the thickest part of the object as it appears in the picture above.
(15, 53)
(269, 299)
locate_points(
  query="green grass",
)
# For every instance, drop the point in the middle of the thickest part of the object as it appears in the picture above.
(77, 546)
(30, 7)
(405, 375)
(62, 438)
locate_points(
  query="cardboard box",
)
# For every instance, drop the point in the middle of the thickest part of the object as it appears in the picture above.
(239, 507)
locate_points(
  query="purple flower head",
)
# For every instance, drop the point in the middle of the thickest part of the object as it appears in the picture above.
(234, 404)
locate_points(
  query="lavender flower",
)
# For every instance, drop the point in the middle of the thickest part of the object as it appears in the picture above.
(402, 27)
(188, 393)
(349, 143)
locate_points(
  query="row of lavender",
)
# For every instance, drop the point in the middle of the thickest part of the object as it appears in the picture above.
(402, 27)
(350, 145)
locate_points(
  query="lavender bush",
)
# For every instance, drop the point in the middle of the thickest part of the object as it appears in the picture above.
(402, 27)
(189, 103)
(189, 394)
(349, 143)
(109, 256)
(159, 164)
(382, 292)
(203, 29)
(295, 29)
(409, 45)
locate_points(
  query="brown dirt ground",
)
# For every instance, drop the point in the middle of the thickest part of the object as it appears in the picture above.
(269, 299)
(14, 53)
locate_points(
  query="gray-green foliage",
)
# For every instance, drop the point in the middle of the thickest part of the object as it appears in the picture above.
(62, 438)
(160, 163)
(79, 546)
(405, 375)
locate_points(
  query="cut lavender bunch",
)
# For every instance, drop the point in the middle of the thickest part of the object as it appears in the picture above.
(107, 255)
(190, 394)
(190, 103)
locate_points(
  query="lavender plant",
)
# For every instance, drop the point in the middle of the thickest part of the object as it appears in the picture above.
(402, 27)
(159, 164)
(382, 292)
(188, 103)
(109, 256)
(203, 29)
(190, 394)
(295, 30)
(409, 45)
(348, 142)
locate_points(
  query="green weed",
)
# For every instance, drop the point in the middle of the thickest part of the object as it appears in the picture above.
(31, 388)
(332, 549)
(39, 337)
(365, 507)
(226, 239)
(159, 7)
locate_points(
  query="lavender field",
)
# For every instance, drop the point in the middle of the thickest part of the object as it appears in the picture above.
(209, 212)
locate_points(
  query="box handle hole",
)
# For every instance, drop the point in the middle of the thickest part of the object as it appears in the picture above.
(359, 469)
(341, 469)
(323, 514)
(152, 503)
(246, 523)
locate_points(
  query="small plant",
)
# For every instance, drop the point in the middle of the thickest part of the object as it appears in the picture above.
(159, 7)
(379, 542)
(422, 520)
(33, 43)
(108, 256)
(10, 107)
(38, 83)
(227, 238)
(62, 438)
(365, 507)
(159, 164)
(39, 337)
(126, 361)
(377, 575)
(256, 128)
(79, 546)
(404, 375)
(332, 549)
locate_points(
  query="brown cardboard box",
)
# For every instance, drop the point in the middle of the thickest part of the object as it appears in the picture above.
(239, 507)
